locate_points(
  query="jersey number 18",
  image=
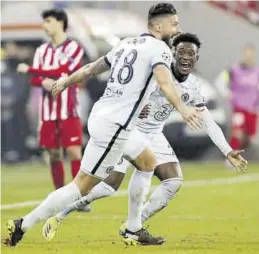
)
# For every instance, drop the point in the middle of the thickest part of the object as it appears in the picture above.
(127, 66)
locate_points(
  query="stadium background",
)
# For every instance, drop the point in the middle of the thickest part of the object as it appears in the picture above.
(226, 32)
(216, 211)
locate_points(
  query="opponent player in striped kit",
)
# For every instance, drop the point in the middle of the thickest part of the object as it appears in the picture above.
(60, 125)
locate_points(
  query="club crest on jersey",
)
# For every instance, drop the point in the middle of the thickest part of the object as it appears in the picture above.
(109, 169)
(185, 97)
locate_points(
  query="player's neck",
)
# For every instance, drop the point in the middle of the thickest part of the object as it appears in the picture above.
(155, 34)
(58, 39)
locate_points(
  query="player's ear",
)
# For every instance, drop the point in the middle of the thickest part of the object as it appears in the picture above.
(159, 27)
(197, 57)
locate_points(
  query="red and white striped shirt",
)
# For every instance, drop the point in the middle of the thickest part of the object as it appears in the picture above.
(52, 63)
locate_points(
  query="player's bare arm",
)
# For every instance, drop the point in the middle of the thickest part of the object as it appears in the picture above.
(218, 138)
(166, 84)
(85, 73)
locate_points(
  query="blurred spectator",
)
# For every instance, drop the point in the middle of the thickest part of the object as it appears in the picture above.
(249, 10)
(240, 85)
(14, 91)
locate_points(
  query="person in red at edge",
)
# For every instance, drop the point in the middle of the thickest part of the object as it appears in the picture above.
(240, 85)
(60, 125)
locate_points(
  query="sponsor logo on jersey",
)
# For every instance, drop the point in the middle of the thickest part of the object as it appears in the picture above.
(164, 113)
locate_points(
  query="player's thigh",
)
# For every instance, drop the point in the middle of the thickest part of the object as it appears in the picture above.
(71, 132)
(168, 170)
(162, 149)
(104, 148)
(135, 145)
(238, 123)
(138, 152)
(48, 135)
(74, 152)
(251, 122)
(167, 161)
(55, 154)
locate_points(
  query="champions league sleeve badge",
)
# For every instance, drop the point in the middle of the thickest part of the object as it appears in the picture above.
(185, 97)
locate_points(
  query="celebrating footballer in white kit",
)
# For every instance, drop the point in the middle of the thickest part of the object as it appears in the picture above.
(148, 131)
(132, 65)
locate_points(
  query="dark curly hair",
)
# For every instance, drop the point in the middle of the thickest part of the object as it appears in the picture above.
(159, 10)
(186, 37)
(58, 14)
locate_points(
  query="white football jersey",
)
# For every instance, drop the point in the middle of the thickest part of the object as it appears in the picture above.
(160, 107)
(131, 80)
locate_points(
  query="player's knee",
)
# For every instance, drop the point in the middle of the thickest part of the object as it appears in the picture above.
(237, 133)
(85, 182)
(175, 183)
(74, 153)
(172, 186)
(251, 140)
(146, 161)
(168, 171)
(55, 155)
(115, 179)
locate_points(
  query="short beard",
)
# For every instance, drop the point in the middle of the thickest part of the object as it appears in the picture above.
(167, 40)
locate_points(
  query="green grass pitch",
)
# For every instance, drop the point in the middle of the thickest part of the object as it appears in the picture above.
(216, 211)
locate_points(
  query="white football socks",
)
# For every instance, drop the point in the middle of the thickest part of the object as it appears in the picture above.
(54, 203)
(161, 196)
(139, 186)
(101, 190)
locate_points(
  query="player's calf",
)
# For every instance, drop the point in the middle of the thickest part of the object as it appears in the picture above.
(57, 167)
(75, 156)
(170, 175)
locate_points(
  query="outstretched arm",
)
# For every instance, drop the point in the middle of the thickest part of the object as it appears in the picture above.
(214, 132)
(216, 135)
(73, 62)
(83, 74)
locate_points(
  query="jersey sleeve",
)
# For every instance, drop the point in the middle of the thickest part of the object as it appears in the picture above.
(36, 80)
(108, 57)
(36, 59)
(214, 132)
(161, 55)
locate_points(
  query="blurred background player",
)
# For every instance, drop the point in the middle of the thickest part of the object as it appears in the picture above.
(60, 125)
(240, 86)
